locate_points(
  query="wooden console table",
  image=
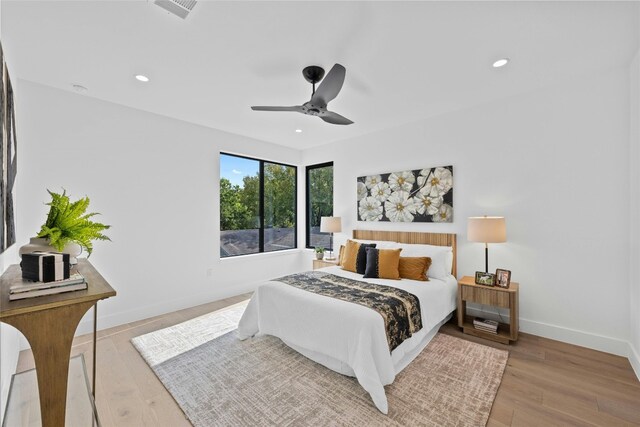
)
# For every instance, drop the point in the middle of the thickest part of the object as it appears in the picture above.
(49, 324)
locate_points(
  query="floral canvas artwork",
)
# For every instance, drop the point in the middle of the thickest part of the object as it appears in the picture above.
(421, 195)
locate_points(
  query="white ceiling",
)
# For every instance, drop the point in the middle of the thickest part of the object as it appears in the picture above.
(405, 60)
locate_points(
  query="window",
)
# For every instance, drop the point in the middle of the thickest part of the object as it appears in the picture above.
(319, 202)
(257, 206)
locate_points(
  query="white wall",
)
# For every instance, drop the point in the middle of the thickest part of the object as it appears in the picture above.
(155, 180)
(634, 224)
(554, 163)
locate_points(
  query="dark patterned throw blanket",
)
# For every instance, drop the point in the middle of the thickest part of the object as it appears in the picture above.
(399, 309)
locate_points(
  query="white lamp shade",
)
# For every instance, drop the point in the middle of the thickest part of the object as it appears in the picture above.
(487, 229)
(330, 224)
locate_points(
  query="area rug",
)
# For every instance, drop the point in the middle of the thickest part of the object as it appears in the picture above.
(220, 381)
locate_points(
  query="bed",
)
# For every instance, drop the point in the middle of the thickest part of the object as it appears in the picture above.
(349, 338)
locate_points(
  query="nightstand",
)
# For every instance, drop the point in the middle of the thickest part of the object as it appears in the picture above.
(496, 296)
(322, 263)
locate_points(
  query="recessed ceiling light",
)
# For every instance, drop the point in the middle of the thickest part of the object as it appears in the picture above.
(142, 78)
(500, 63)
(79, 88)
(298, 130)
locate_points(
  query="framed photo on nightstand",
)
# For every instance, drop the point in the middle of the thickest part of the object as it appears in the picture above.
(486, 279)
(503, 278)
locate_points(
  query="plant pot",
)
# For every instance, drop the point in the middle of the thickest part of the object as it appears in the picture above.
(319, 255)
(41, 244)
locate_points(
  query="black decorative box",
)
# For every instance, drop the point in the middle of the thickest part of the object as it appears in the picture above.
(45, 266)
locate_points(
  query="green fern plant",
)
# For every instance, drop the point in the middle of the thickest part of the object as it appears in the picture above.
(68, 222)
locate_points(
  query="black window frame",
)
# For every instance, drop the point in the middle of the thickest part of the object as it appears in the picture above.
(261, 204)
(308, 169)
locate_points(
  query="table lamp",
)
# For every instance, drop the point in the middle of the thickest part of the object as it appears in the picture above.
(330, 224)
(486, 229)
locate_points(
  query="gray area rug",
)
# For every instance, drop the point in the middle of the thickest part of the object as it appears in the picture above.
(222, 381)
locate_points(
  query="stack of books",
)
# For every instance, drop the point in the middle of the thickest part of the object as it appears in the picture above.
(28, 289)
(486, 325)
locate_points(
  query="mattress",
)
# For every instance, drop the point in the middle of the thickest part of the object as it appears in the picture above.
(345, 337)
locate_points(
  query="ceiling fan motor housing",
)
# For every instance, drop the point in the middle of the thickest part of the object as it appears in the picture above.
(313, 110)
(313, 73)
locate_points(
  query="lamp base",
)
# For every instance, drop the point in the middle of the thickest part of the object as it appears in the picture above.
(486, 258)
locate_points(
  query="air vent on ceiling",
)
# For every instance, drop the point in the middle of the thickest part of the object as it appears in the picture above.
(179, 8)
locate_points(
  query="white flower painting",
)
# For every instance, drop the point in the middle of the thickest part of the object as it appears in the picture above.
(402, 181)
(400, 207)
(362, 190)
(372, 180)
(370, 209)
(421, 195)
(380, 191)
(426, 204)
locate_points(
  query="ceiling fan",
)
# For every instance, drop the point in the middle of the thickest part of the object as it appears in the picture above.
(328, 90)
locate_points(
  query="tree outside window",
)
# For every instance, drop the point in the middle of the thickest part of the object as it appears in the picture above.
(257, 206)
(319, 202)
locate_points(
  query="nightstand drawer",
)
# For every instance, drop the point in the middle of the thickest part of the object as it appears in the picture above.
(485, 296)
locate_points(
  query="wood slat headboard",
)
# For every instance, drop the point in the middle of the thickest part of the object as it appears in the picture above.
(415, 237)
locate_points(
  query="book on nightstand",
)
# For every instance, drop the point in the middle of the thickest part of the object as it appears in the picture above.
(486, 325)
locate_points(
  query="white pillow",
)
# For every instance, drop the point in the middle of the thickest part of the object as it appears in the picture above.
(449, 261)
(380, 244)
(441, 258)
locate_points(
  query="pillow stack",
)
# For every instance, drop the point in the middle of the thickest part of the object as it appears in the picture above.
(354, 256)
(382, 260)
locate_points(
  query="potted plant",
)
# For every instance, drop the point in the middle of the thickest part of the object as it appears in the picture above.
(68, 228)
(319, 252)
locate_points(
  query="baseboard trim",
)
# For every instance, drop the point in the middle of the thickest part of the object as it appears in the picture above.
(559, 333)
(106, 321)
(634, 359)
(572, 336)
(116, 319)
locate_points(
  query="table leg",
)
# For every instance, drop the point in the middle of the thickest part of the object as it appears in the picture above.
(513, 314)
(50, 333)
(462, 310)
(95, 328)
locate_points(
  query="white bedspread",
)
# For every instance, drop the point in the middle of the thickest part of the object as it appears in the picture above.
(346, 337)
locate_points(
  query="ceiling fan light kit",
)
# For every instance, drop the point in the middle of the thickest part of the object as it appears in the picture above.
(327, 91)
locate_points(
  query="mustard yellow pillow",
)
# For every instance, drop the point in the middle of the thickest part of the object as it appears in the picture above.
(414, 268)
(383, 263)
(354, 257)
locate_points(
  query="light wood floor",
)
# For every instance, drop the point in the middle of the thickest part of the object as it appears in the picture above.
(550, 383)
(546, 382)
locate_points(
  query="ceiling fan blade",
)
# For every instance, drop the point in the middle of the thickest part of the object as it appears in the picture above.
(330, 86)
(295, 108)
(335, 118)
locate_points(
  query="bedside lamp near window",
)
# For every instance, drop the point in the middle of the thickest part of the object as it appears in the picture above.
(487, 229)
(330, 224)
